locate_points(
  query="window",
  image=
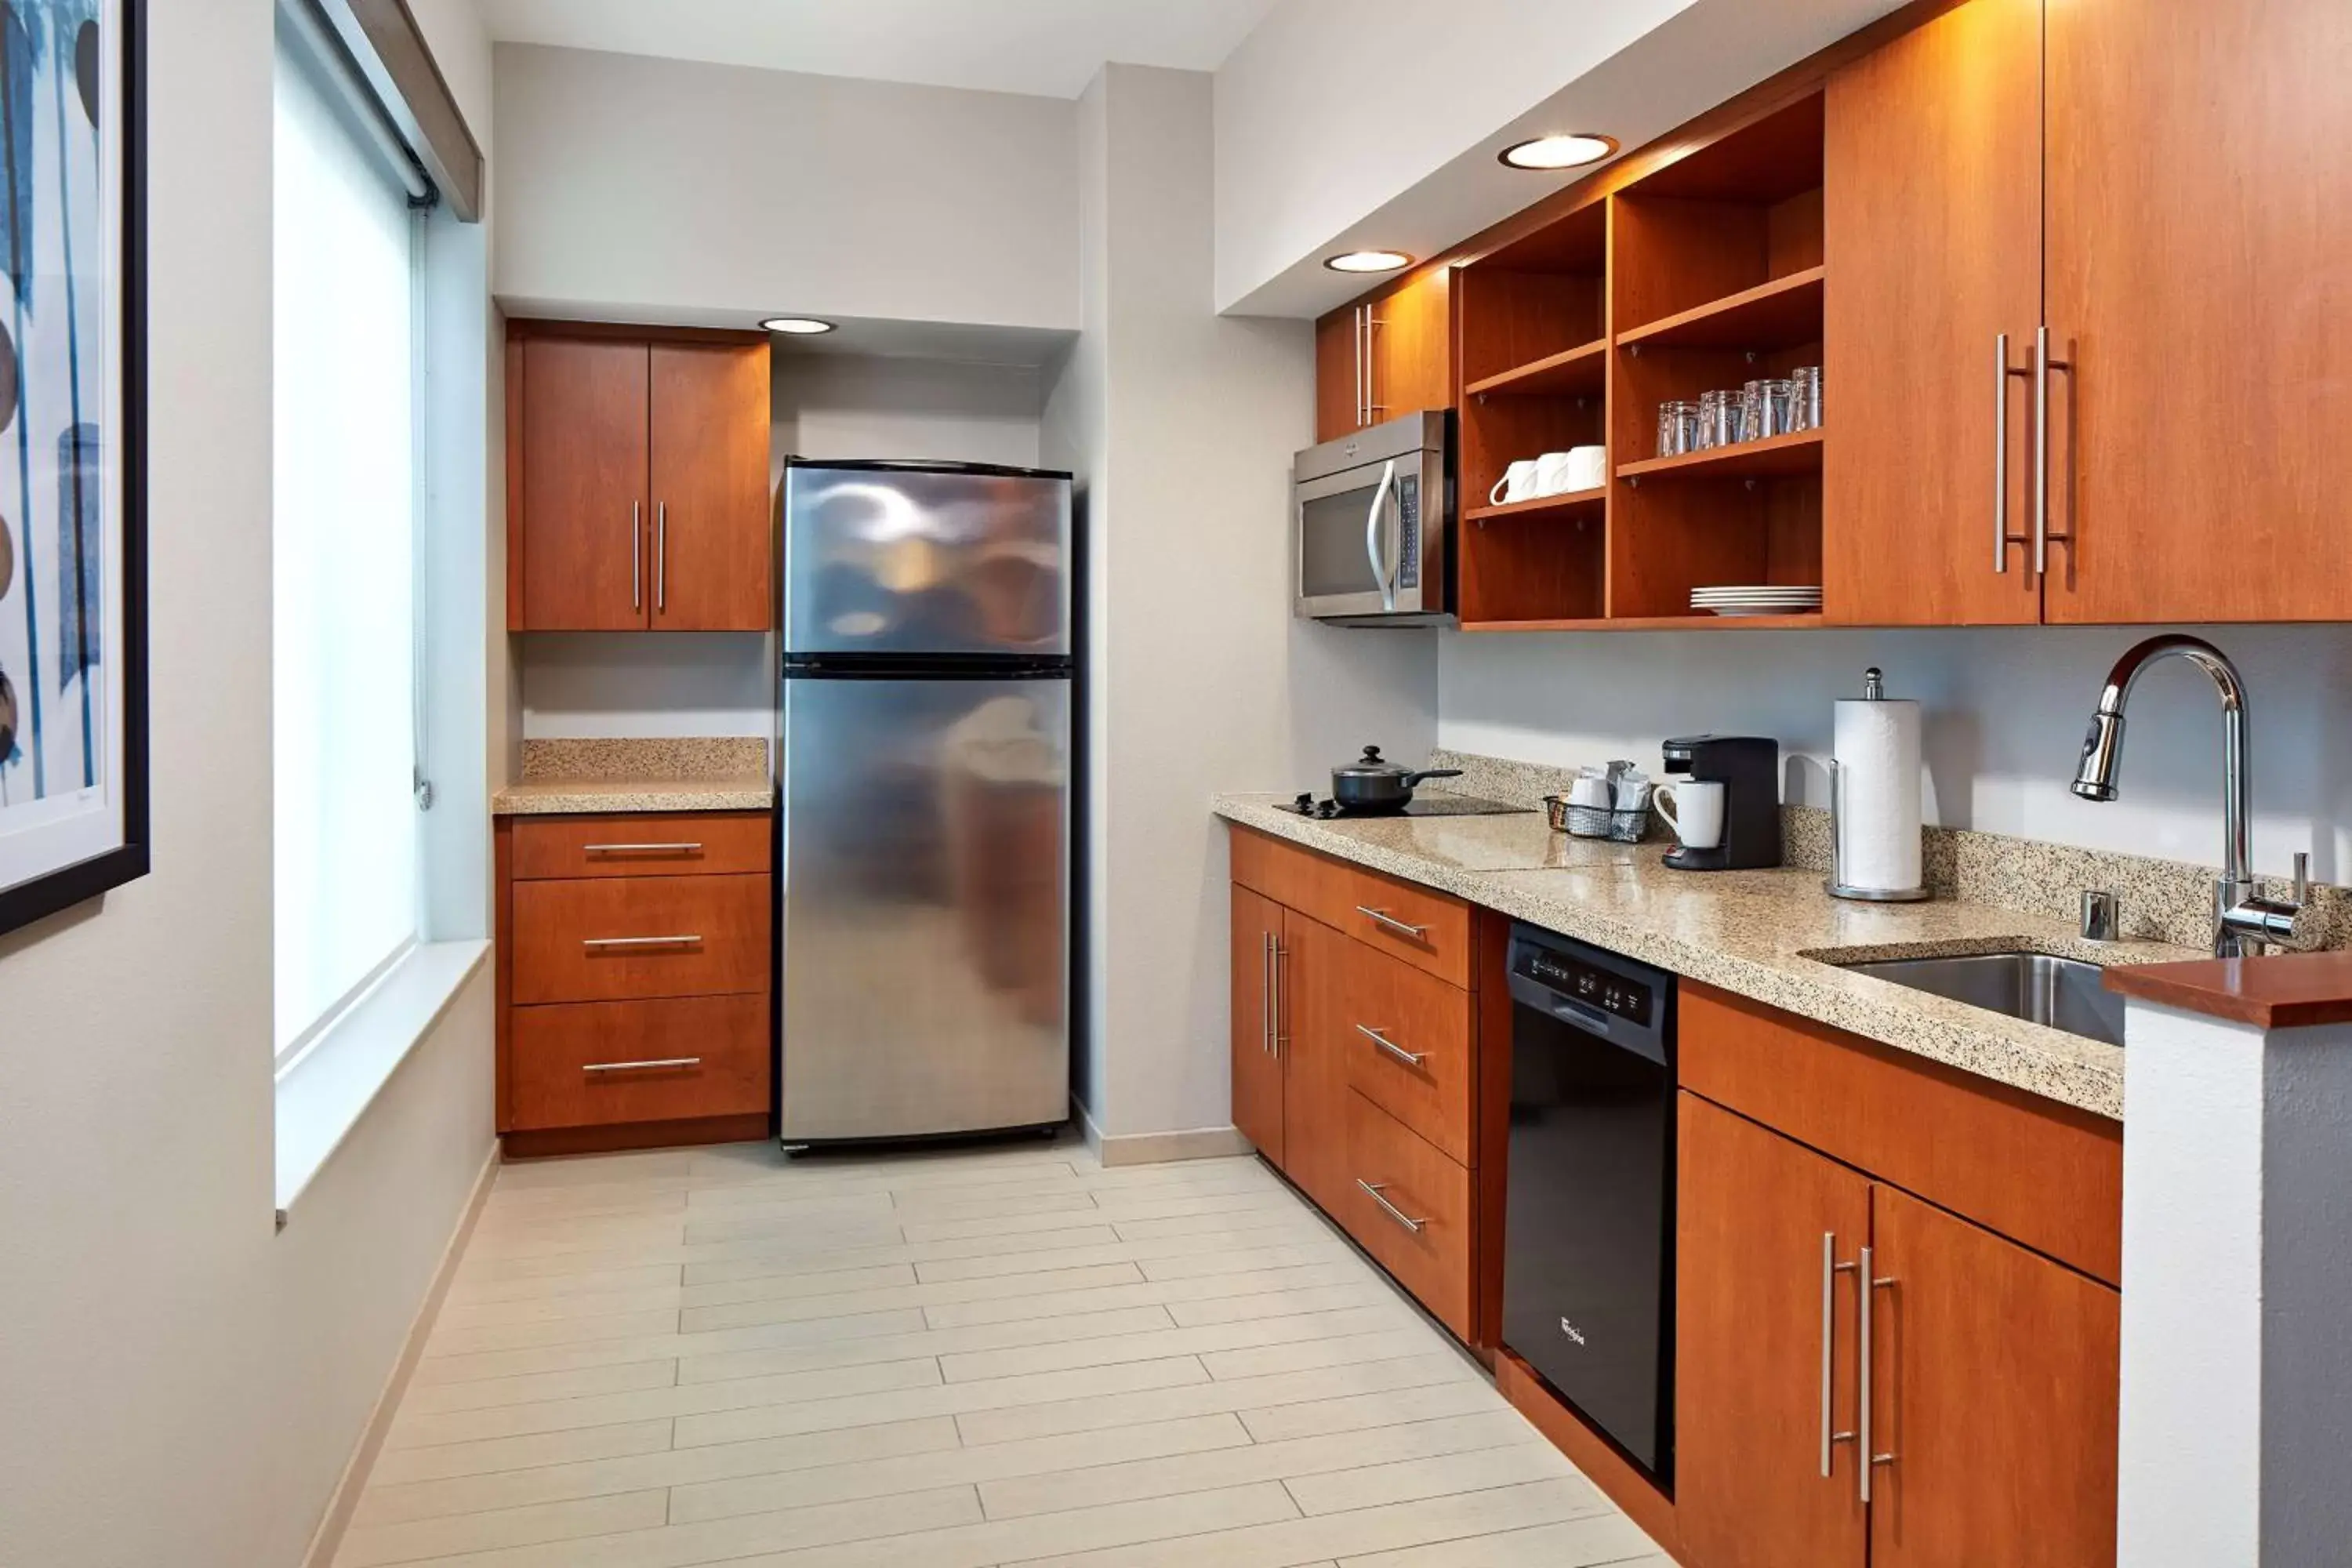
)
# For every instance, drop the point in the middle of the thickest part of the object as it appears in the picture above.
(347, 255)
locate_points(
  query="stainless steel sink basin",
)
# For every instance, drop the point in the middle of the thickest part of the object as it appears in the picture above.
(2060, 991)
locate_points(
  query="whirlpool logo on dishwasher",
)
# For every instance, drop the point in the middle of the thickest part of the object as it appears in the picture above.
(1572, 1330)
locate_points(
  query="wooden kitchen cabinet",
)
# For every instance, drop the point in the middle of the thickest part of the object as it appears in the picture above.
(1386, 356)
(636, 479)
(1257, 1064)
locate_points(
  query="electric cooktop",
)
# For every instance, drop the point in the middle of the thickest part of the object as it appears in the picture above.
(1434, 802)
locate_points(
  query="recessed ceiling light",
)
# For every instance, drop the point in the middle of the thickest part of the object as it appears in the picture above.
(796, 326)
(1559, 151)
(1368, 261)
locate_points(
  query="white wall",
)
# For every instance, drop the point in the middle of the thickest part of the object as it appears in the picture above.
(2004, 717)
(664, 190)
(183, 1382)
(1182, 424)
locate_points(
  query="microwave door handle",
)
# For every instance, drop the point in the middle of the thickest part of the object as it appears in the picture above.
(1372, 535)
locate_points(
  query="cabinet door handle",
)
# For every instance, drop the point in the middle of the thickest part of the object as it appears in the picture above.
(1276, 993)
(1373, 406)
(1394, 924)
(640, 849)
(637, 556)
(1867, 1286)
(605, 942)
(2003, 371)
(1378, 1192)
(1266, 993)
(1830, 1269)
(1356, 331)
(644, 1066)
(661, 556)
(1410, 1059)
(2042, 365)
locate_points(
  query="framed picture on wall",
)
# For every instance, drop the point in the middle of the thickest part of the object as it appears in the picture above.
(73, 664)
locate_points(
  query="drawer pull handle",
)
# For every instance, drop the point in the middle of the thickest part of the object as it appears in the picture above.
(1410, 1059)
(644, 1067)
(1377, 1192)
(642, 849)
(1394, 924)
(597, 942)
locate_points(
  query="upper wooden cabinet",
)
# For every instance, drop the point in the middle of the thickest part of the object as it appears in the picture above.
(637, 482)
(1386, 356)
(2155, 185)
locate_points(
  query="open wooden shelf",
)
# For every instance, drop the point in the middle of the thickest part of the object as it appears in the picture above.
(1799, 452)
(1780, 314)
(1577, 371)
(1692, 623)
(1564, 503)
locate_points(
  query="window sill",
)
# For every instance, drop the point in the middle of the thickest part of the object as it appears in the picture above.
(323, 1095)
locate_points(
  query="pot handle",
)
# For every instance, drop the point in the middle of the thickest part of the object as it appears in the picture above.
(1413, 781)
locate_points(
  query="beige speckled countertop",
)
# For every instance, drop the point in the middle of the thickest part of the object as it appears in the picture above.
(1760, 935)
(562, 777)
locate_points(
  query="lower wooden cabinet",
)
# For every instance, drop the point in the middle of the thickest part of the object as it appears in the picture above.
(1990, 1430)
(634, 957)
(1411, 1207)
(1258, 1061)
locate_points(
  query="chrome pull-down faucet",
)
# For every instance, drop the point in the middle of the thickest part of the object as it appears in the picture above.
(2243, 922)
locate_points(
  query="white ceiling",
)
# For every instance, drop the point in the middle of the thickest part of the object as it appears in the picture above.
(1051, 47)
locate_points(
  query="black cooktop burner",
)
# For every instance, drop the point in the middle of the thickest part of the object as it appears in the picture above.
(1435, 803)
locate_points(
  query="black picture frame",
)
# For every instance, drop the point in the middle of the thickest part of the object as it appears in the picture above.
(84, 880)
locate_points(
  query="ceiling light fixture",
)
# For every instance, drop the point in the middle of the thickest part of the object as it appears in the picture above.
(796, 326)
(1368, 261)
(1568, 152)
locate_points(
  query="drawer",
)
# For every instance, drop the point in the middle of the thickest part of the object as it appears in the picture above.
(1429, 930)
(1419, 1015)
(676, 844)
(623, 938)
(595, 1064)
(1425, 1241)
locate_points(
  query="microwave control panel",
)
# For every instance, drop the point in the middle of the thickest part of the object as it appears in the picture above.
(1408, 572)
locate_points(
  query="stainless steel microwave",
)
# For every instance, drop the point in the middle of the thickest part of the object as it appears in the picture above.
(1371, 523)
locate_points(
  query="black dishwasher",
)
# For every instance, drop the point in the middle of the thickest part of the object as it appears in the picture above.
(1588, 1235)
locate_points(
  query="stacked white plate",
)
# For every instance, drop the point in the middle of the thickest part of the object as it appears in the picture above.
(1757, 599)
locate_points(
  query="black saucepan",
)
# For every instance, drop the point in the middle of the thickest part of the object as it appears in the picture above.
(1372, 784)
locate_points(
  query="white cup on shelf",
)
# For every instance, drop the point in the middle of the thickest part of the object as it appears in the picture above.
(1517, 483)
(1587, 468)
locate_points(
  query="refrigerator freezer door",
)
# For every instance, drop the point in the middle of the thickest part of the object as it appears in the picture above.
(925, 917)
(892, 561)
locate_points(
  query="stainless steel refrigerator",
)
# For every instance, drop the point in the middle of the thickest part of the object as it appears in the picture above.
(925, 747)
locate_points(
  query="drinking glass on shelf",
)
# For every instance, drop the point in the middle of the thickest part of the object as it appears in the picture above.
(1751, 411)
(1774, 401)
(1720, 420)
(1805, 410)
(1677, 428)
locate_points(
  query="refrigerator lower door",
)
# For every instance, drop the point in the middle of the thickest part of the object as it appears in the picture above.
(925, 905)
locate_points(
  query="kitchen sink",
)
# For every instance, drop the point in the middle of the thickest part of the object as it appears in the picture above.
(2064, 993)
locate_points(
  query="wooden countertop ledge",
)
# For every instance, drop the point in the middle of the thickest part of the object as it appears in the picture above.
(2283, 991)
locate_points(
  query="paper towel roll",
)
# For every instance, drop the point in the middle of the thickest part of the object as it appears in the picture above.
(1877, 749)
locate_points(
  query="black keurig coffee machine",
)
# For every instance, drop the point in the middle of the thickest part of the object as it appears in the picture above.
(1748, 769)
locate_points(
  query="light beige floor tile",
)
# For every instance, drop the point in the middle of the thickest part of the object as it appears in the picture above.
(1357, 1293)
(367, 1546)
(1122, 1324)
(1355, 1412)
(1518, 1455)
(1094, 1385)
(414, 1429)
(1220, 1256)
(1061, 1282)
(747, 1263)
(960, 1467)
(498, 1455)
(468, 1286)
(1244, 1224)
(863, 1327)
(837, 1451)
(953, 1203)
(506, 1209)
(1122, 1528)
(556, 1308)
(1066, 1352)
(1170, 1292)
(539, 1388)
(920, 1230)
(1588, 1542)
(827, 1526)
(1163, 1256)
(1341, 1535)
(1304, 1460)
(987, 1423)
(547, 1334)
(1298, 1355)
(1149, 1204)
(594, 1168)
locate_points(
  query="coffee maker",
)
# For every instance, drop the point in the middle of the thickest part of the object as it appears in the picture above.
(1749, 767)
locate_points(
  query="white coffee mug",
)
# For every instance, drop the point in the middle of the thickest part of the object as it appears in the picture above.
(1517, 483)
(1694, 808)
(1552, 473)
(1587, 468)
(1589, 789)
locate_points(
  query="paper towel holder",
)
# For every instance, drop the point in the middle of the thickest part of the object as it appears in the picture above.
(1873, 690)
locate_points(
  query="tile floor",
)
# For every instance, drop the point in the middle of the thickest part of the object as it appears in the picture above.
(951, 1360)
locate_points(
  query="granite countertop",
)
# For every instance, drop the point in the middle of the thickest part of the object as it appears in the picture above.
(1760, 935)
(565, 777)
